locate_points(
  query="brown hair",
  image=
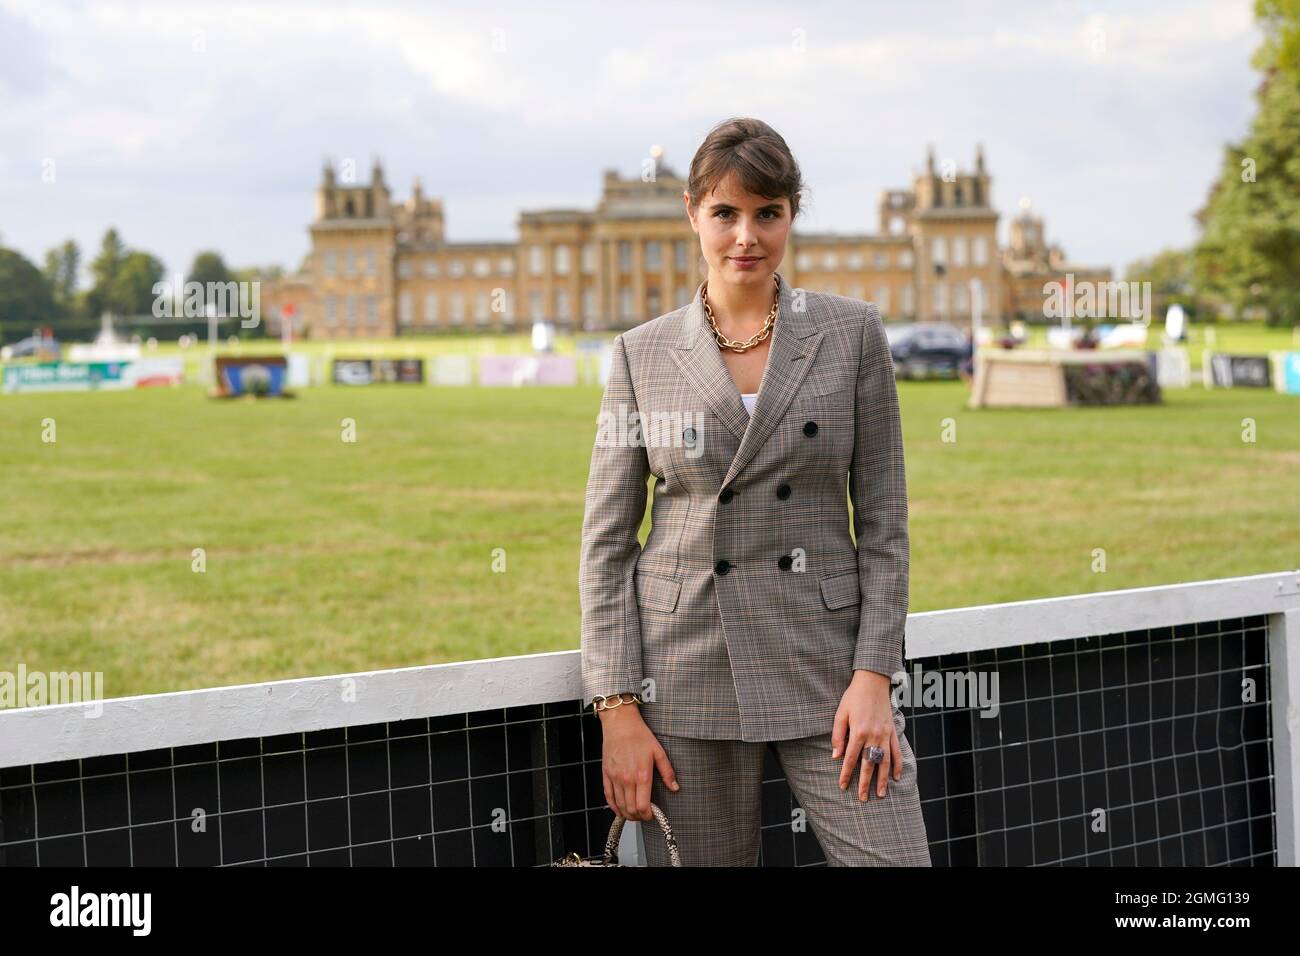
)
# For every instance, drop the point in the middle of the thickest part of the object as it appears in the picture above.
(756, 153)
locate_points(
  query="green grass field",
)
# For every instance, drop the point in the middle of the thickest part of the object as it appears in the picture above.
(325, 557)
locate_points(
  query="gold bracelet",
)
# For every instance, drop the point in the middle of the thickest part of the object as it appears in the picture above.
(602, 702)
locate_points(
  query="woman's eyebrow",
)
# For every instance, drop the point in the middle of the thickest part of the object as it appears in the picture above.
(772, 205)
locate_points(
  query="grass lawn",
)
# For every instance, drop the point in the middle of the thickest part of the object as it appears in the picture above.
(324, 556)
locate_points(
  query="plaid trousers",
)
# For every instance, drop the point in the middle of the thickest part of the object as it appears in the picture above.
(715, 815)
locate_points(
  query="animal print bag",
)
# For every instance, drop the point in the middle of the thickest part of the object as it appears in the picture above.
(610, 856)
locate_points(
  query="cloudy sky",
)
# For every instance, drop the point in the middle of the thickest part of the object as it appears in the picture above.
(205, 125)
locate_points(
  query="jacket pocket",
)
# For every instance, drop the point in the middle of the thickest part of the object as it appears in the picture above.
(840, 590)
(657, 593)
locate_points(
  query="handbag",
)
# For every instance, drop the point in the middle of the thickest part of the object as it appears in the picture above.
(609, 858)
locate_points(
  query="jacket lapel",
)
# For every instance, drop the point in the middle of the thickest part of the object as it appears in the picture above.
(794, 344)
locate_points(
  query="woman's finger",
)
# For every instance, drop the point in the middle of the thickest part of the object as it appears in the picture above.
(882, 776)
(852, 749)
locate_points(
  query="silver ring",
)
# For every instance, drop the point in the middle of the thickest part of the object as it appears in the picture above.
(874, 754)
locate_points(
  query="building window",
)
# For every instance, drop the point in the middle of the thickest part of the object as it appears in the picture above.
(506, 266)
(855, 290)
(882, 299)
(941, 298)
(455, 268)
(909, 302)
(562, 260)
(938, 249)
(683, 296)
(372, 262)
(404, 268)
(679, 254)
(830, 261)
(905, 258)
(405, 309)
(457, 308)
(881, 260)
(653, 257)
(959, 250)
(482, 308)
(589, 303)
(803, 261)
(535, 254)
(431, 308)
(855, 260)
(372, 310)
(979, 251)
(589, 259)
(331, 310)
(351, 315)
(349, 263)
(431, 268)
(896, 225)
(328, 268)
(624, 256)
(562, 304)
(535, 306)
(482, 267)
(625, 303)
(959, 297)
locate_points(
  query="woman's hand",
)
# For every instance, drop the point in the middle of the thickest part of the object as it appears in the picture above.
(631, 755)
(866, 718)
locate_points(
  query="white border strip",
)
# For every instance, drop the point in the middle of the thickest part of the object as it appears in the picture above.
(123, 725)
(1017, 623)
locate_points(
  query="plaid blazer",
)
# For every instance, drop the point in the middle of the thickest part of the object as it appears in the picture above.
(749, 607)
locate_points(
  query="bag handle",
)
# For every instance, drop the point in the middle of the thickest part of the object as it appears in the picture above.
(616, 830)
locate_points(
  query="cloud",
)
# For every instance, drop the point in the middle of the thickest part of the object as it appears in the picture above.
(195, 125)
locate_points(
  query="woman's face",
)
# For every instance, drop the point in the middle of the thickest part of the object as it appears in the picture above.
(742, 236)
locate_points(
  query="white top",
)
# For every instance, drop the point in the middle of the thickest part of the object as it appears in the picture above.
(749, 398)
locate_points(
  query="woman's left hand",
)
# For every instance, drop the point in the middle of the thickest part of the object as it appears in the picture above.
(866, 718)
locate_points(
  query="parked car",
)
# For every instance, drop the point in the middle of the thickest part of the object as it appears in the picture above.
(32, 346)
(926, 349)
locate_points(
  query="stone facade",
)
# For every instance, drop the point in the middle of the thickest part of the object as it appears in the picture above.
(379, 268)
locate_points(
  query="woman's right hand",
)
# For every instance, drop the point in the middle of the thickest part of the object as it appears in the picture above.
(631, 755)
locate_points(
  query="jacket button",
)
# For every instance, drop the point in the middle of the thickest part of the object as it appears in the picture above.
(785, 562)
(727, 495)
(810, 429)
(783, 492)
(722, 567)
(689, 434)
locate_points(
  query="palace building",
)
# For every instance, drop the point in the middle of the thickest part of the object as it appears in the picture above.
(383, 268)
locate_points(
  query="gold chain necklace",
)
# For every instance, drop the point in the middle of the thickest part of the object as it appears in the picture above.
(754, 339)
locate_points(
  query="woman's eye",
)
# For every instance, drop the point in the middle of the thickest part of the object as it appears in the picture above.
(769, 213)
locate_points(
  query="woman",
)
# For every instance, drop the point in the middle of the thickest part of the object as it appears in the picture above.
(750, 617)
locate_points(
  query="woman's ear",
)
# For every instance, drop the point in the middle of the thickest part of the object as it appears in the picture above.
(686, 198)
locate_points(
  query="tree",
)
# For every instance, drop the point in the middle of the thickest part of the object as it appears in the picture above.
(132, 290)
(61, 266)
(104, 270)
(25, 297)
(208, 267)
(1172, 274)
(1249, 251)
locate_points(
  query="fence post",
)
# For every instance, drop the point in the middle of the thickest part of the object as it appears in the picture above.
(1284, 683)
